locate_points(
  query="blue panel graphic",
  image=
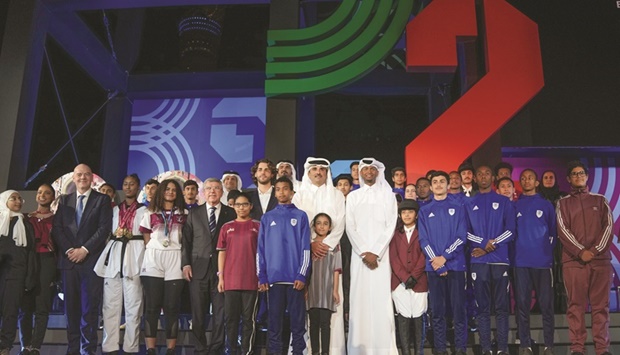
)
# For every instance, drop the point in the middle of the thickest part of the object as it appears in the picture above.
(204, 136)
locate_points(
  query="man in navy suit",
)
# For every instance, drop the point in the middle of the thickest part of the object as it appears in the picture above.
(82, 224)
(199, 260)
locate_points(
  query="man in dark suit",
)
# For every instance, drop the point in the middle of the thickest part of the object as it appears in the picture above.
(82, 224)
(199, 260)
(263, 198)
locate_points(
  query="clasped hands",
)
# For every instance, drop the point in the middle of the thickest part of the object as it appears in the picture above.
(77, 255)
(371, 260)
(478, 252)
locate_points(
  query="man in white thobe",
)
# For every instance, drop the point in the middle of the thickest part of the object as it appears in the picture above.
(317, 194)
(371, 214)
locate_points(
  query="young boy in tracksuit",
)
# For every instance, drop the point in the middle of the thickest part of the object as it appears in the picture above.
(491, 226)
(443, 233)
(283, 260)
(533, 260)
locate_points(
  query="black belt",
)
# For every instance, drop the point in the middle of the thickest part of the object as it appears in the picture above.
(123, 240)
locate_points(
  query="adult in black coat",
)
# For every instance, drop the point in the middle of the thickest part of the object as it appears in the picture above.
(199, 262)
(82, 225)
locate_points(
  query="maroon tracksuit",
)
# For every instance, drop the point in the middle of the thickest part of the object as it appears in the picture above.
(585, 223)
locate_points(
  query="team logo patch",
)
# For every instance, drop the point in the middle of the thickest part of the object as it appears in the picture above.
(505, 274)
(495, 205)
(431, 215)
(475, 208)
(519, 214)
(539, 213)
(273, 223)
(293, 222)
(451, 211)
(473, 276)
(595, 208)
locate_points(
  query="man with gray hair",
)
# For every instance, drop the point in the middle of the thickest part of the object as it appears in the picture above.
(199, 261)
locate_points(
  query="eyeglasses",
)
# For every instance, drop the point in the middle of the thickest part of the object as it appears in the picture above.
(243, 204)
(578, 173)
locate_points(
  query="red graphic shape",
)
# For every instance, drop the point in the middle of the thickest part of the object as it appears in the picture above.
(514, 76)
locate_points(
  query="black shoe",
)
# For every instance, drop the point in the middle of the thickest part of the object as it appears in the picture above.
(502, 353)
(151, 351)
(525, 351)
(488, 352)
(25, 351)
(171, 351)
(472, 324)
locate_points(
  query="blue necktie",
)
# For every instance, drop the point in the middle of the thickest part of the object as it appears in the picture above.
(79, 209)
(212, 220)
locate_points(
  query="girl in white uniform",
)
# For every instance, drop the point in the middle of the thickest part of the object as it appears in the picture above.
(119, 264)
(161, 273)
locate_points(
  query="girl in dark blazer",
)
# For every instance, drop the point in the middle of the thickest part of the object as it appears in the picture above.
(409, 285)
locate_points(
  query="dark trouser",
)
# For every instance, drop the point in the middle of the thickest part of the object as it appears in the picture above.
(11, 293)
(205, 297)
(161, 294)
(320, 329)
(346, 250)
(470, 297)
(448, 292)
(83, 290)
(280, 298)
(240, 305)
(541, 280)
(38, 302)
(491, 284)
(418, 334)
(590, 281)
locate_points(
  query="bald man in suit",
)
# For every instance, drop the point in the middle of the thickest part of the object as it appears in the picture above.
(82, 224)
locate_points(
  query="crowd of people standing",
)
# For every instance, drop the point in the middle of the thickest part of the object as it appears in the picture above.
(341, 255)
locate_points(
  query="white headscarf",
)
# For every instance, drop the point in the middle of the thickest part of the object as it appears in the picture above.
(224, 198)
(325, 198)
(294, 172)
(19, 231)
(381, 182)
(310, 162)
(293, 177)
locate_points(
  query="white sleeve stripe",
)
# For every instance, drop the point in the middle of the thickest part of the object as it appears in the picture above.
(454, 245)
(503, 237)
(306, 262)
(568, 234)
(257, 264)
(474, 238)
(429, 251)
(607, 233)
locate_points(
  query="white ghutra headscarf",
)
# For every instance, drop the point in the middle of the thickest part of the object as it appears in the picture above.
(19, 231)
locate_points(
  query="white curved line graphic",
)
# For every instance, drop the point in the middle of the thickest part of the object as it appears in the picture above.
(158, 134)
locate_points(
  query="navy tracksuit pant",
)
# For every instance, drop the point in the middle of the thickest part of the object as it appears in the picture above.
(282, 297)
(448, 292)
(491, 280)
(541, 280)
